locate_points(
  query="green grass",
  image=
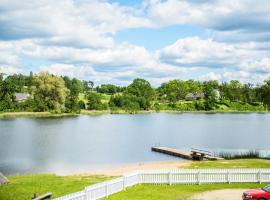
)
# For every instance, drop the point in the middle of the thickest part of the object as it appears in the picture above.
(33, 114)
(239, 163)
(173, 192)
(24, 186)
(240, 155)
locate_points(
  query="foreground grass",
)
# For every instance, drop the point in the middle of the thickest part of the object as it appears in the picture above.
(173, 192)
(238, 163)
(24, 186)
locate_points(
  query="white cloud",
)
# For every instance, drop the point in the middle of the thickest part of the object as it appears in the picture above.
(10, 70)
(197, 52)
(76, 39)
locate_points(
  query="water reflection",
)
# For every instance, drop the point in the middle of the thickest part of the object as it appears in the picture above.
(94, 142)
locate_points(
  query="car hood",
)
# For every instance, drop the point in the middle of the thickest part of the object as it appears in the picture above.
(254, 191)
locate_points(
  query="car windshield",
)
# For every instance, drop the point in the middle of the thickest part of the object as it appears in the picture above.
(266, 188)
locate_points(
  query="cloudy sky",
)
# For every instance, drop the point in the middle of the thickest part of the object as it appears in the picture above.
(116, 41)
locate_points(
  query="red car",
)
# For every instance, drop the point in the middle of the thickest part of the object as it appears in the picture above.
(257, 194)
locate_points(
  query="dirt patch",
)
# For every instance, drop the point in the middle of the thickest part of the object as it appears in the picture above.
(231, 194)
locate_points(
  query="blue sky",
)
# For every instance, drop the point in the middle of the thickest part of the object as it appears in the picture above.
(115, 41)
(157, 38)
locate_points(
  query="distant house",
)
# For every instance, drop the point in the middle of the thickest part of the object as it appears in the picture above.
(217, 93)
(195, 96)
(21, 97)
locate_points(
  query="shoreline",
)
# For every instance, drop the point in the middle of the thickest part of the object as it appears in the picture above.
(7, 115)
(128, 168)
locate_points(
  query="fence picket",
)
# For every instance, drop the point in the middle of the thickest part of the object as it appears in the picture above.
(180, 176)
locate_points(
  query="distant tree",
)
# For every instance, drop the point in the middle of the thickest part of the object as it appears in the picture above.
(87, 85)
(176, 90)
(7, 92)
(209, 89)
(94, 101)
(50, 92)
(108, 89)
(126, 102)
(141, 89)
(264, 93)
(249, 93)
(18, 80)
(232, 90)
(75, 87)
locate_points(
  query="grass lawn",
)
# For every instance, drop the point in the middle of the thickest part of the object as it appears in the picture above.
(180, 192)
(24, 186)
(239, 163)
(173, 192)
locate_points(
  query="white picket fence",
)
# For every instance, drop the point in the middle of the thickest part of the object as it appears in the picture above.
(181, 176)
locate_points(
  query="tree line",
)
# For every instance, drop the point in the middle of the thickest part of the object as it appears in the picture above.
(59, 94)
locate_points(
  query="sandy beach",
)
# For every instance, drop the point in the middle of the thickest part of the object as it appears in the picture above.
(124, 169)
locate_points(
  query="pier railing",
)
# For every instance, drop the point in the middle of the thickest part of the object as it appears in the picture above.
(181, 176)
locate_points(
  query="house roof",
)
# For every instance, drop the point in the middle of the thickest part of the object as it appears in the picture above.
(189, 95)
(21, 96)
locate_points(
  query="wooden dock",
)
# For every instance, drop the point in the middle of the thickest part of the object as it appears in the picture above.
(183, 153)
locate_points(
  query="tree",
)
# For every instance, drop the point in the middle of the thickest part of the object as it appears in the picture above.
(126, 102)
(50, 91)
(87, 85)
(18, 80)
(142, 89)
(108, 88)
(7, 91)
(264, 93)
(209, 89)
(75, 87)
(94, 101)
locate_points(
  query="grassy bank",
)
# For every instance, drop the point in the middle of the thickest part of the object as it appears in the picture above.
(34, 114)
(24, 186)
(102, 112)
(238, 163)
(173, 192)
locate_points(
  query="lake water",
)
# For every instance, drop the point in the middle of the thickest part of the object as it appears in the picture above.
(95, 142)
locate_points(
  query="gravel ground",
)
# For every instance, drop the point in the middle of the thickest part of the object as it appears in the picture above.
(226, 194)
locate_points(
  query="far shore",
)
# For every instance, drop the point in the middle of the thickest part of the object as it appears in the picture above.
(103, 112)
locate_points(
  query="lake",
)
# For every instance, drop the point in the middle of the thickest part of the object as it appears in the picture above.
(94, 142)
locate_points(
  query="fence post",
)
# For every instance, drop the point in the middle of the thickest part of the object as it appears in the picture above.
(86, 194)
(259, 176)
(198, 178)
(170, 178)
(107, 191)
(228, 177)
(124, 182)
